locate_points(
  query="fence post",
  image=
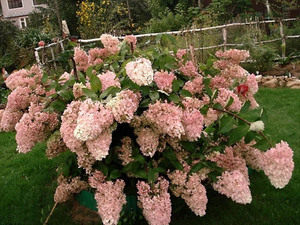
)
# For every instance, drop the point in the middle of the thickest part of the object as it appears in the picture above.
(283, 45)
(62, 46)
(224, 31)
(37, 58)
(53, 58)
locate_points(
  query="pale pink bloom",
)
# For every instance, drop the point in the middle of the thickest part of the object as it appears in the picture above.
(68, 125)
(164, 80)
(219, 82)
(110, 200)
(96, 178)
(234, 185)
(234, 72)
(125, 151)
(155, 201)
(192, 103)
(124, 105)
(1, 114)
(210, 117)
(65, 189)
(231, 160)
(64, 78)
(34, 127)
(254, 157)
(192, 121)
(111, 43)
(96, 56)
(77, 90)
(140, 71)
(234, 55)
(81, 59)
(9, 120)
(19, 99)
(109, 79)
(278, 164)
(224, 97)
(189, 69)
(180, 53)
(148, 141)
(93, 118)
(131, 40)
(99, 147)
(195, 86)
(165, 118)
(55, 145)
(195, 195)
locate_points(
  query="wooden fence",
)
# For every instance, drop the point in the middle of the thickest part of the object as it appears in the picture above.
(223, 30)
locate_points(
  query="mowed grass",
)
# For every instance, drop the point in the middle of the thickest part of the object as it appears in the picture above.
(27, 182)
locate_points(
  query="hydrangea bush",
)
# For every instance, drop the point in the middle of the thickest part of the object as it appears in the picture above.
(151, 122)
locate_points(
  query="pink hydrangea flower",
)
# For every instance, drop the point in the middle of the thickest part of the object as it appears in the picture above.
(125, 152)
(278, 164)
(140, 71)
(93, 118)
(195, 86)
(109, 79)
(189, 69)
(96, 56)
(148, 141)
(223, 98)
(165, 118)
(111, 43)
(192, 121)
(234, 185)
(164, 80)
(81, 59)
(110, 200)
(124, 105)
(156, 202)
(99, 147)
(235, 55)
(131, 40)
(180, 53)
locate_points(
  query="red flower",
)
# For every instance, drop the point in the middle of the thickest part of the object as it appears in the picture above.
(242, 89)
(41, 43)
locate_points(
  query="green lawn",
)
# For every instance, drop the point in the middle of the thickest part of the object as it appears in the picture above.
(27, 181)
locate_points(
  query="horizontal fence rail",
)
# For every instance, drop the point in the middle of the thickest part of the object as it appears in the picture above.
(224, 34)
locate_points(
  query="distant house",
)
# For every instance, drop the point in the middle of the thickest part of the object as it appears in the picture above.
(18, 11)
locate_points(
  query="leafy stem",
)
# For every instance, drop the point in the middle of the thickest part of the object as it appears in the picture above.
(245, 121)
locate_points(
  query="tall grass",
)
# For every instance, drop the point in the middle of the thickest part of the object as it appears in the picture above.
(27, 182)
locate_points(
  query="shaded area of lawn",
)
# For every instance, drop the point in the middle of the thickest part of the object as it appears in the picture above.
(27, 182)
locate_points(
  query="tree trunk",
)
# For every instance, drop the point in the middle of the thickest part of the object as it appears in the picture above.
(129, 16)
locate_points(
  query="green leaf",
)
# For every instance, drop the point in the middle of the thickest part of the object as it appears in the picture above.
(238, 133)
(175, 86)
(89, 71)
(58, 105)
(251, 135)
(188, 146)
(226, 124)
(141, 174)
(170, 66)
(174, 98)
(44, 78)
(132, 167)
(185, 93)
(115, 174)
(152, 173)
(204, 109)
(66, 94)
(103, 168)
(171, 38)
(196, 167)
(210, 62)
(145, 103)
(96, 84)
(145, 90)
(230, 101)
(138, 158)
(89, 93)
(154, 96)
(109, 91)
(169, 154)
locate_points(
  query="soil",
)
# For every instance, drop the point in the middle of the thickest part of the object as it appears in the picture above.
(83, 215)
(282, 70)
